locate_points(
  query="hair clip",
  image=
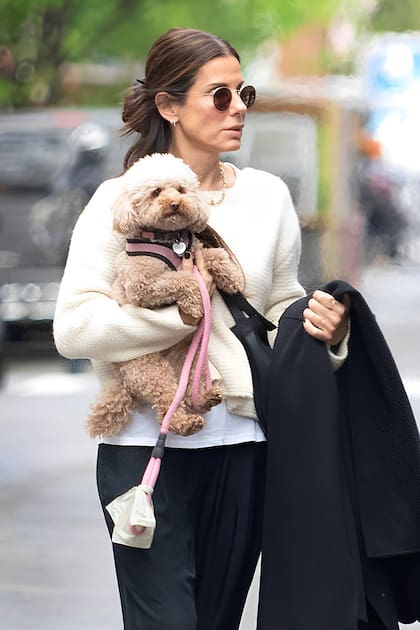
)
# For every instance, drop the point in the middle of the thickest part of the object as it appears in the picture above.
(141, 81)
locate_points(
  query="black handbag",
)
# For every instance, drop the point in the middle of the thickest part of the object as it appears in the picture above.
(251, 329)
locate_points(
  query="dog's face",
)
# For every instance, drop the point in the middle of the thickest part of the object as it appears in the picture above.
(160, 192)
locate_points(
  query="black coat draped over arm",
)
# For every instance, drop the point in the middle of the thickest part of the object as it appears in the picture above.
(342, 508)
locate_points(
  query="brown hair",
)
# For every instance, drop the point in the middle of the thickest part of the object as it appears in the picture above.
(171, 66)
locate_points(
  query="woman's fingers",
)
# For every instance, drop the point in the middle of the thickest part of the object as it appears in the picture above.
(326, 318)
(201, 266)
(187, 262)
(187, 265)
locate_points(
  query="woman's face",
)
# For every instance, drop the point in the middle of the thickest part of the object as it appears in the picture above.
(200, 125)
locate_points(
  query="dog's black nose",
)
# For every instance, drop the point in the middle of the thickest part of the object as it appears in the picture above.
(174, 206)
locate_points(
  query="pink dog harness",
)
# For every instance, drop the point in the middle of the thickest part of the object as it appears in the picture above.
(165, 245)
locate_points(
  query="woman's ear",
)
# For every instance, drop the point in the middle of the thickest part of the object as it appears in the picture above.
(166, 106)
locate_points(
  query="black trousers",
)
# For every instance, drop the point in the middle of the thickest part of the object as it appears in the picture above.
(374, 621)
(208, 507)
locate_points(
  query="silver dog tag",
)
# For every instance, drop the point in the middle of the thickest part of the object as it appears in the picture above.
(179, 248)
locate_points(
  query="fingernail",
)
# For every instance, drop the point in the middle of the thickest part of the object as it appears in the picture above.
(187, 255)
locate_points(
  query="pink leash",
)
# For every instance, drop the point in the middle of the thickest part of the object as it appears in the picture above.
(200, 339)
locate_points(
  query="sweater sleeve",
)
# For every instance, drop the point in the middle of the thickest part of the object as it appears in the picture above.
(88, 323)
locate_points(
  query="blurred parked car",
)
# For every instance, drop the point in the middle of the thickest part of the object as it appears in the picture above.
(50, 164)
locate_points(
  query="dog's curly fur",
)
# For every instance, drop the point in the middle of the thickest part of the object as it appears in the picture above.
(160, 192)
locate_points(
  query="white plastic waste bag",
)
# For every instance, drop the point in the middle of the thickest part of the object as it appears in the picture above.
(134, 518)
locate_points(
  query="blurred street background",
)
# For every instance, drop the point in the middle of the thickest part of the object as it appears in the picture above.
(336, 117)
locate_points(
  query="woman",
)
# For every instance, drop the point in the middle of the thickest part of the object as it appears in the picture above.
(208, 500)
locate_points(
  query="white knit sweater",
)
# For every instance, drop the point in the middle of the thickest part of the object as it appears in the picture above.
(258, 222)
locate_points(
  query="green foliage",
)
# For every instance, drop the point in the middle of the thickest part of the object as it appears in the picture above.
(396, 15)
(43, 34)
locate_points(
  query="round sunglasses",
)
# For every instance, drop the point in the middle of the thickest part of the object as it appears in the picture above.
(222, 96)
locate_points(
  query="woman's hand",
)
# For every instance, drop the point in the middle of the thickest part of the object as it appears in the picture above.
(325, 318)
(187, 265)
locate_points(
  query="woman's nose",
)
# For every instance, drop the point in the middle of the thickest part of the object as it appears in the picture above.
(237, 103)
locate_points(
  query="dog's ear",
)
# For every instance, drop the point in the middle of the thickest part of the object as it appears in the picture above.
(124, 220)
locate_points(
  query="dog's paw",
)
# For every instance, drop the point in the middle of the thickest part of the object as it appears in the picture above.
(189, 298)
(186, 424)
(233, 283)
(193, 310)
(212, 397)
(226, 273)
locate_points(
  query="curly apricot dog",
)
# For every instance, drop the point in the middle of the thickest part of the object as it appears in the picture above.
(161, 214)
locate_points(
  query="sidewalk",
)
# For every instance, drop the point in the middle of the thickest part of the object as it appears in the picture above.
(56, 571)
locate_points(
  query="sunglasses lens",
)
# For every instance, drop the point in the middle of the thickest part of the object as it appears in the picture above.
(247, 95)
(222, 98)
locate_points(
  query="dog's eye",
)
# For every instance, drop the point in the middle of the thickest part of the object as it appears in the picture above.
(181, 189)
(156, 192)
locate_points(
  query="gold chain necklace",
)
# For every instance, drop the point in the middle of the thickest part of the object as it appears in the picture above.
(214, 201)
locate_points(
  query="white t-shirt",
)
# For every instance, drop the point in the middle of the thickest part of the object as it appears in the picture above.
(221, 429)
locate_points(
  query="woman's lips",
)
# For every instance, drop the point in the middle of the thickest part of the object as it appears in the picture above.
(236, 130)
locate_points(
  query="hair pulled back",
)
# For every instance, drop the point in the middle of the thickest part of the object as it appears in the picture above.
(172, 65)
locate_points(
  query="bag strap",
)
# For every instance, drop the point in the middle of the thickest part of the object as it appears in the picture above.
(241, 309)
